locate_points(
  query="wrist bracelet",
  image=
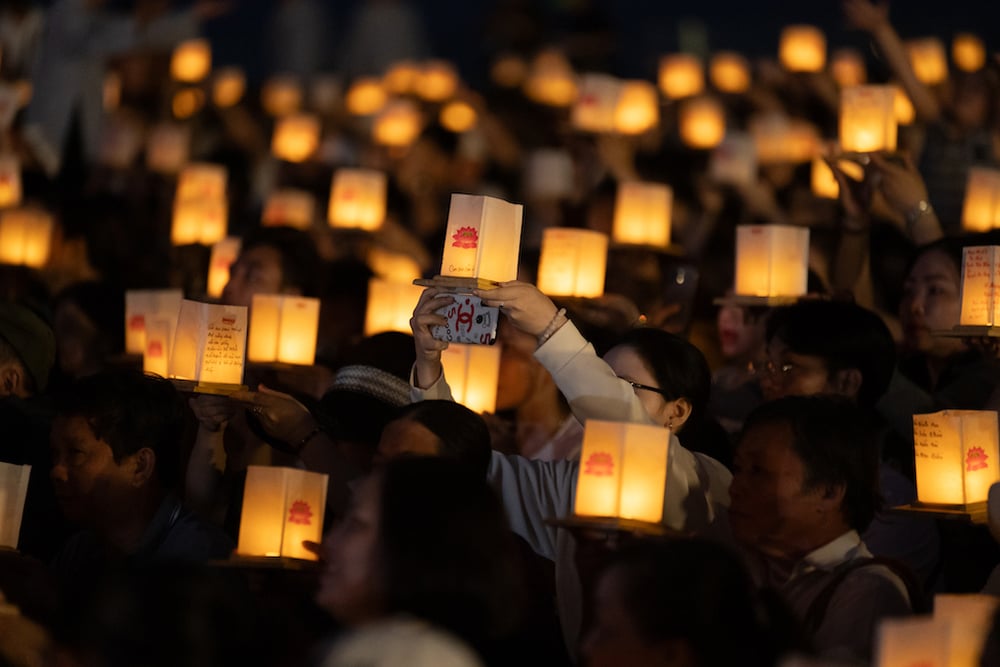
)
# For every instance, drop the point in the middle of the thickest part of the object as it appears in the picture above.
(305, 441)
(557, 321)
(920, 209)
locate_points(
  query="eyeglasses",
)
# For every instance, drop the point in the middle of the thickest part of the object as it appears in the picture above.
(769, 368)
(636, 385)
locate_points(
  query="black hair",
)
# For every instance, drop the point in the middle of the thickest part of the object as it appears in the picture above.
(831, 436)
(845, 336)
(464, 436)
(300, 262)
(950, 247)
(445, 551)
(129, 411)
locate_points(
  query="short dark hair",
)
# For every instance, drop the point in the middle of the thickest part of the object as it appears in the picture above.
(129, 411)
(831, 436)
(300, 262)
(464, 436)
(446, 554)
(845, 336)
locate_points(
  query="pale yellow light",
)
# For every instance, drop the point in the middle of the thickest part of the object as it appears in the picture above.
(729, 72)
(981, 207)
(25, 237)
(681, 75)
(390, 306)
(903, 107)
(437, 81)
(642, 214)
(956, 456)
(572, 262)
(401, 78)
(928, 59)
(980, 294)
(281, 96)
(638, 108)
(968, 52)
(283, 329)
(289, 208)
(702, 122)
(357, 199)
(551, 80)
(802, 49)
(458, 116)
(771, 260)
(472, 372)
(201, 221)
(296, 137)
(10, 181)
(191, 61)
(393, 266)
(398, 124)
(848, 68)
(224, 253)
(482, 239)
(365, 97)
(282, 508)
(868, 119)
(228, 87)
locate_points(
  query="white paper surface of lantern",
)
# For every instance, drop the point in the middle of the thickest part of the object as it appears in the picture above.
(847, 67)
(296, 137)
(289, 207)
(729, 72)
(159, 342)
(13, 492)
(282, 507)
(868, 119)
(681, 75)
(928, 59)
(142, 306)
(25, 237)
(228, 87)
(283, 329)
(623, 471)
(168, 147)
(483, 238)
(968, 52)
(980, 286)
(642, 214)
(224, 253)
(779, 139)
(202, 221)
(594, 109)
(549, 174)
(191, 60)
(802, 49)
(956, 456)
(572, 262)
(281, 95)
(734, 161)
(10, 181)
(771, 260)
(981, 208)
(638, 108)
(202, 180)
(209, 344)
(907, 642)
(702, 122)
(395, 266)
(357, 199)
(971, 617)
(390, 306)
(472, 372)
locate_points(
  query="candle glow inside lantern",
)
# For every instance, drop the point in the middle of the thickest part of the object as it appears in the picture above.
(824, 183)
(393, 266)
(228, 86)
(142, 306)
(868, 119)
(10, 181)
(779, 139)
(202, 180)
(282, 507)
(283, 329)
(281, 96)
(702, 122)
(928, 59)
(483, 238)
(390, 306)
(289, 207)
(980, 286)
(209, 344)
(168, 148)
(919, 641)
(971, 617)
(458, 116)
(25, 237)
(365, 97)
(968, 52)
(159, 342)
(401, 77)
(642, 214)
(802, 49)
(224, 253)
(551, 80)
(202, 221)
(572, 262)
(681, 75)
(398, 124)
(771, 260)
(594, 109)
(13, 492)
(729, 72)
(472, 372)
(191, 61)
(956, 456)
(623, 471)
(848, 68)
(187, 102)
(437, 81)
(903, 107)
(981, 208)
(296, 137)
(638, 109)
(357, 199)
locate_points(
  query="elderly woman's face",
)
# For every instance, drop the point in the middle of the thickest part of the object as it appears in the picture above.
(931, 302)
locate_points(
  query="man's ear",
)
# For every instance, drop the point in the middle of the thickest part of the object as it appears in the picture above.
(847, 382)
(144, 462)
(833, 496)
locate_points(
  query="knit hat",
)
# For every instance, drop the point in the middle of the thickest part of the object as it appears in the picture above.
(32, 340)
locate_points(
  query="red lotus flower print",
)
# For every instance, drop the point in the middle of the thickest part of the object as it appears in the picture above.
(599, 464)
(465, 237)
(975, 459)
(300, 513)
(137, 323)
(154, 349)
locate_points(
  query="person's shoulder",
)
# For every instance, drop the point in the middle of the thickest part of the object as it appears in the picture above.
(191, 538)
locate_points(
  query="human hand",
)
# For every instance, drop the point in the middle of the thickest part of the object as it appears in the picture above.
(278, 413)
(212, 412)
(866, 15)
(900, 184)
(428, 348)
(855, 195)
(524, 305)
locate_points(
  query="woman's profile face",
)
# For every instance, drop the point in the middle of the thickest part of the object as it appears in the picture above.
(627, 364)
(349, 585)
(931, 302)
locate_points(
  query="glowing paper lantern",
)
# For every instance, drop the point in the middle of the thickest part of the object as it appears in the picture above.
(911, 642)
(357, 199)
(551, 80)
(642, 214)
(282, 508)
(401, 78)
(971, 617)
(168, 148)
(142, 306)
(224, 253)
(296, 137)
(573, 262)
(201, 221)
(594, 109)
(281, 95)
(867, 119)
(980, 282)
(209, 344)
(13, 492)
(191, 61)
(848, 68)
(289, 208)
(928, 59)
(771, 260)
(10, 181)
(981, 208)
(549, 174)
(283, 329)
(623, 471)
(159, 342)
(390, 306)
(729, 72)
(25, 237)
(472, 372)
(956, 456)
(702, 122)
(228, 86)
(202, 180)
(437, 81)
(483, 238)
(509, 71)
(903, 107)
(802, 49)
(187, 102)
(779, 139)
(734, 161)
(638, 108)
(398, 124)
(968, 52)
(365, 97)
(394, 266)
(681, 75)
(458, 116)
(824, 183)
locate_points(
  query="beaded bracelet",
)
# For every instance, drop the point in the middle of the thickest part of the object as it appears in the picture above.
(557, 321)
(305, 441)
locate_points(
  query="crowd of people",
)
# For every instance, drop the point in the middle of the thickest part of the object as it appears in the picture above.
(790, 427)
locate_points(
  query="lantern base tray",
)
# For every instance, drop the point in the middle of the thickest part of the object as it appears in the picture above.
(756, 301)
(268, 562)
(610, 524)
(453, 284)
(969, 331)
(213, 388)
(972, 513)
